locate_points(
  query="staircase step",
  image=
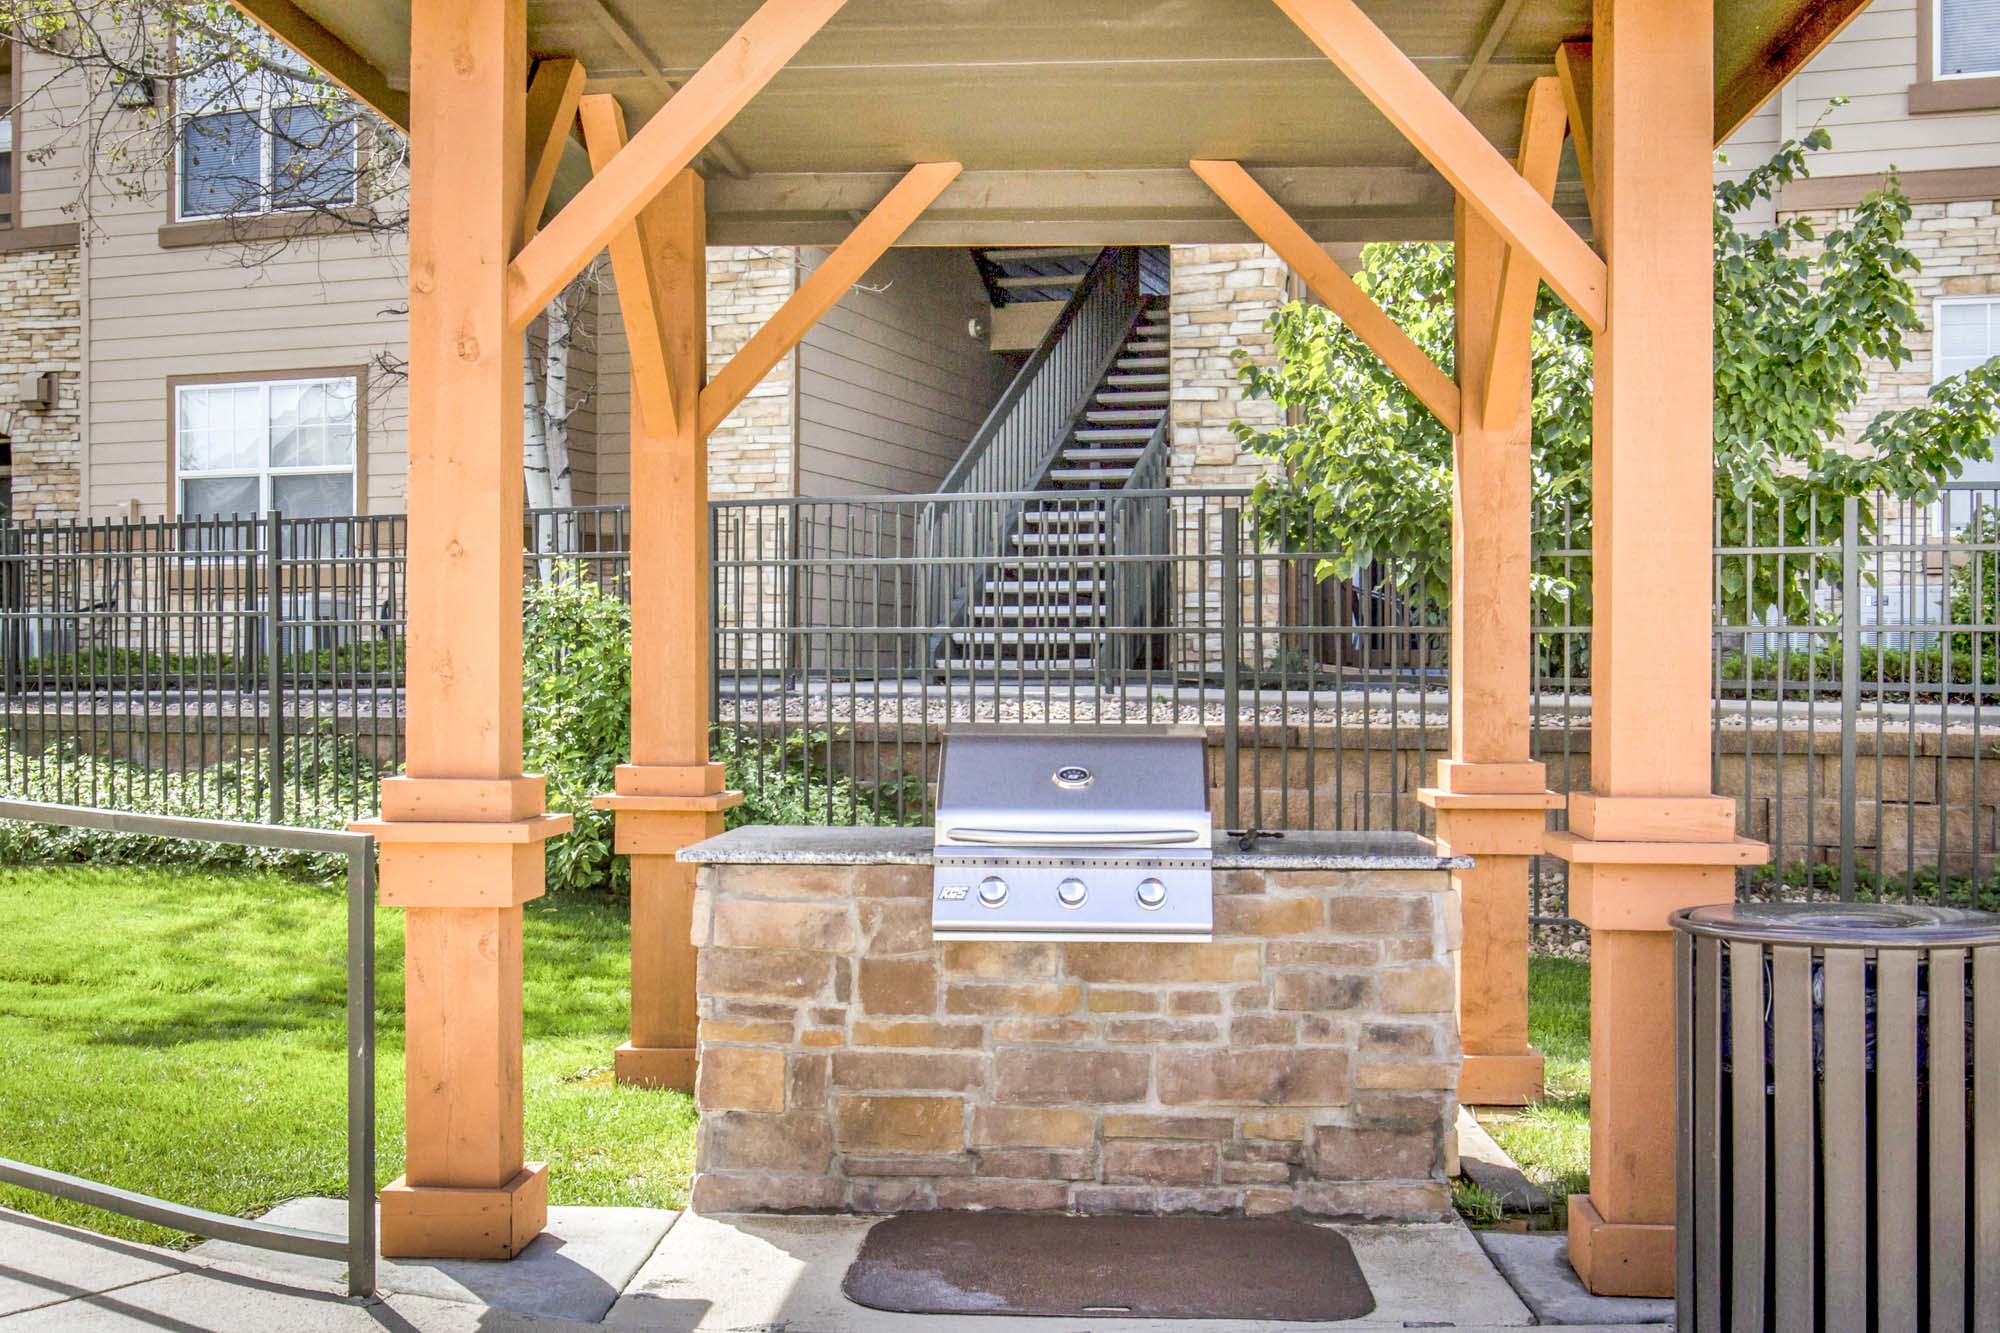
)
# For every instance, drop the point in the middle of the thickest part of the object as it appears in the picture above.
(1126, 398)
(1096, 476)
(1105, 453)
(1033, 280)
(1028, 637)
(1121, 380)
(1038, 255)
(1147, 345)
(1126, 416)
(1082, 664)
(1052, 615)
(1114, 435)
(1020, 587)
(1142, 363)
(1067, 540)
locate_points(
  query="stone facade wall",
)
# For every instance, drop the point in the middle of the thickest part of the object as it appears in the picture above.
(41, 329)
(1305, 1060)
(751, 454)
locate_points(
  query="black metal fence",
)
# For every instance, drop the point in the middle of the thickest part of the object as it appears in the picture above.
(203, 667)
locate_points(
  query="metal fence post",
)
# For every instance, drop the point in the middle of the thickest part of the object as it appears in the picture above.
(1850, 682)
(1232, 632)
(274, 704)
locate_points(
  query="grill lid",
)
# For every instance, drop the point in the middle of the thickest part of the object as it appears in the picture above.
(1076, 788)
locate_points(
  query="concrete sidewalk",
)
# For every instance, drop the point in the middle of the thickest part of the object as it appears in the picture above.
(630, 1269)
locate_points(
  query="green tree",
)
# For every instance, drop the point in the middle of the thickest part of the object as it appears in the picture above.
(1365, 471)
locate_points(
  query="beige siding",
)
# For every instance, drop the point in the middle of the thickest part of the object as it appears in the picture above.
(1872, 64)
(46, 127)
(1749, 147)
(891, 385)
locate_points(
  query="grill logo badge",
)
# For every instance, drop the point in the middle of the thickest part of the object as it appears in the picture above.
(953, 893)
(1074, 776)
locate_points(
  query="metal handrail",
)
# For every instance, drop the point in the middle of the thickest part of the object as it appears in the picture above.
(357, 1247)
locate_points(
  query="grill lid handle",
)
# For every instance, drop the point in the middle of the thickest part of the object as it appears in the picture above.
(986, 837)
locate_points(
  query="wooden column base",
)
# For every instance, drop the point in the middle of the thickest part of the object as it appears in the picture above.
(1619, 1258)
(655, 1066)
(1487, 1079)
(444, 1222)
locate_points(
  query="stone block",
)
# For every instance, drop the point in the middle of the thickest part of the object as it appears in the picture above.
(1032, 1127)
(1404, 1074)
(1379, 914)
(1029, 999)
(791, 973)
(1375, 1201)
(1194, 1002)
(1152, 1126)
(1145, 1162)
(1423, 988)
(768, 1032)
(745, 1078)
(798, 1141)
(899, 1124)
(1250, 1172)
(898, 985)
(1038, 1164)
(891, 1196)
(762, 1193)
(1036, 1077)
(1012, 1196)
(1346, 1152)
(1412, 1039)
(1323, 953)
(806, 1079)
(895, 926)
(1319, 992)
(929, 1165)
(1263, 1030)
(1161, 1031)
(1276, 1076)
(788, 881)
(919, 1033)
(893, 882)
(1001, 961)
(1280, 1127)
(1213, 1201)
(1152, 963)
(904, 1071)
(1267, 915)
(746, 923)
(1100, 1200)
(1112, 1000)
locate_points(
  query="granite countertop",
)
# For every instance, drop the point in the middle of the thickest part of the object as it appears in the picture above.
(786, 844)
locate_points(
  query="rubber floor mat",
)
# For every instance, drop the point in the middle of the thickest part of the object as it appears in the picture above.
(1109, 1267)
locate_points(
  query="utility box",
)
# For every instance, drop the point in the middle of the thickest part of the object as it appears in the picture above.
(1835, 1063)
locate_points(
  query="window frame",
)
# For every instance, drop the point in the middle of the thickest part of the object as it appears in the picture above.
(1938, 306)
(10, 79)
(1933, 94)
(261, 113)
(356, 471)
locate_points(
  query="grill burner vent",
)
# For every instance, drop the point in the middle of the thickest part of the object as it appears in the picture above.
(1073, 834)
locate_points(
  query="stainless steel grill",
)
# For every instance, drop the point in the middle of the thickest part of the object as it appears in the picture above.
(1082, 834)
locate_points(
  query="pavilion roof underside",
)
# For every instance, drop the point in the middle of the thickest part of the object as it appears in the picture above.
(1075, 119)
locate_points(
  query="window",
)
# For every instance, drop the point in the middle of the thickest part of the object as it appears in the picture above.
(1967, 334)
(1968, 38)
(261, 140)
(7, 205)
(251, 446)
(1958, 56)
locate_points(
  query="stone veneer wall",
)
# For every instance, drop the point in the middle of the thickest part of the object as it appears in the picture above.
(1305, 1060)
(751, 454)
(41, 328)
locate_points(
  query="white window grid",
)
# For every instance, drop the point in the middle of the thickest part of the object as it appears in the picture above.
(1938, 73)
(266, 474)
(262, 95)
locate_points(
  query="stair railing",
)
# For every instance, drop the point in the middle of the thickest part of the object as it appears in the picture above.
(1024, 434)
(1138, 546)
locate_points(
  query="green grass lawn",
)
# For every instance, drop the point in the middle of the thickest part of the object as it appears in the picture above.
(1551, 1142)
(181, 1033)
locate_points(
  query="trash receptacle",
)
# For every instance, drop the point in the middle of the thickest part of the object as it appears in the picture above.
(1835, 1059)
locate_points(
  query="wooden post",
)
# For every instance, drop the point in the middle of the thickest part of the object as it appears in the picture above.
(461, 835)
(1491, 798)
(670, 795)
(1651, 836)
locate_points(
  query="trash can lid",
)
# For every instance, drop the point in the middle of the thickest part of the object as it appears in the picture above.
(1882, 925)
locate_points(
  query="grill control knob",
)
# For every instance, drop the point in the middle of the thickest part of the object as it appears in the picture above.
(992, 891)
(1071, 893)
(1152, 894)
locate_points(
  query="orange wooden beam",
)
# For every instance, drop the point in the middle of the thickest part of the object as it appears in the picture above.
(657, 153)
(331, 56)
(1267, 218)
(553, 94)
(1452, 144)
(850, 260)
(1573, 69)
(1511, 347)
(632, 271)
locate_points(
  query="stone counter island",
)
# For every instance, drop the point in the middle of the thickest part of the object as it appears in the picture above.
(1305, 1060)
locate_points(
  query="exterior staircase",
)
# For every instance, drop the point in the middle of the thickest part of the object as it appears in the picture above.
(1035, 557)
